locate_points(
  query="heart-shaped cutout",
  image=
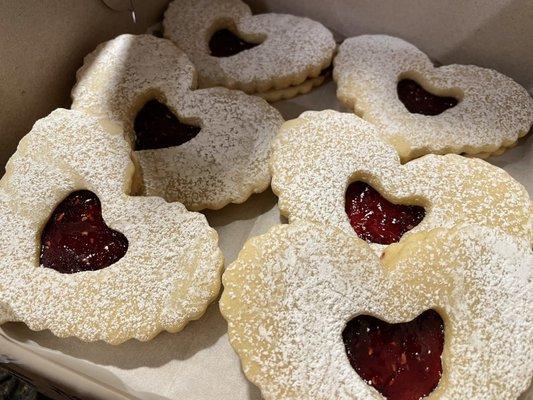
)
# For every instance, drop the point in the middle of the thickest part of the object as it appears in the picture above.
(402, 361)
(377, 220)
(418, 100)
(76, 237)
(225, 43)
(156, 127)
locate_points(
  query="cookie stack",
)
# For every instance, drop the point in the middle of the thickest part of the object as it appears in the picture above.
(405, 268)
(395, 280)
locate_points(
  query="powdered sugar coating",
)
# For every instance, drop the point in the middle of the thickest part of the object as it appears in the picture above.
(493, 111)
(292, 48)
(290, 293)
(316, 156)
(169, 274)
(226, 162)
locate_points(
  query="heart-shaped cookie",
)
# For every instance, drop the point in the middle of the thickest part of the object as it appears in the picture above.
(204, 148)
(293, 294)
(65, 208)
(274, 55)
(318, 158)
(424, 109)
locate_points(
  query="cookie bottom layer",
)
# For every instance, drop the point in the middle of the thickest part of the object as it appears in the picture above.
(291, 91)
(483, 152)
(498, 152)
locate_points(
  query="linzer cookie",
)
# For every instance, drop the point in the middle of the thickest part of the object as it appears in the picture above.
(205, 148)
(424, 109)
(335, 168)
(274, 55)
(314, 314)
(81, 257)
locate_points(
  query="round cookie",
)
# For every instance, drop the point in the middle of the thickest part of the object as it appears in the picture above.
(424, 109)
(269, 54)
(80, 255)
(323, 163)
(204, 148)
(292, 298)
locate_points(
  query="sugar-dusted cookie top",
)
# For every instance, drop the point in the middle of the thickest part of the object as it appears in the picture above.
(79, 255)
(205, 148)
(313, 313)
(425, 109)
(255, 53)
(336, 168)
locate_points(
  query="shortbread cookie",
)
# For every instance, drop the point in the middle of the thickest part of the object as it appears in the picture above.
(255, 53)
(204, 148)
(336, 168)
(80, 257)
(315, 314)
(423, 109)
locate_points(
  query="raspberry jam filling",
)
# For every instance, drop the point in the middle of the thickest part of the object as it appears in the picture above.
(76, 238)
(225, 43)
(418, 100)
(401, 361)
(156, 127)
(377, 220)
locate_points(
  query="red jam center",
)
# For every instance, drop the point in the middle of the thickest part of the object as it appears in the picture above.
(377, 220)
(225, 43)
(76, 238)
(401, 361)
(156, 127)
(419, 101)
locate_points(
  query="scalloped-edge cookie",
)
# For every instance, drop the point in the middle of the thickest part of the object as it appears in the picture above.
(168, 275)
(317, 157)
(224, 163)
(291, 294)
(468, 109)
(283, 50)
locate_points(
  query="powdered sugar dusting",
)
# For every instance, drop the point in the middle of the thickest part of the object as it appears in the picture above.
(292, 48)
(318, 155)
(493, 112)
(226, 162)
(290, 293)
(171, 250)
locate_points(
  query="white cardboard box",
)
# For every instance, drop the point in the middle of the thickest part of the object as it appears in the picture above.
(44, 43)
